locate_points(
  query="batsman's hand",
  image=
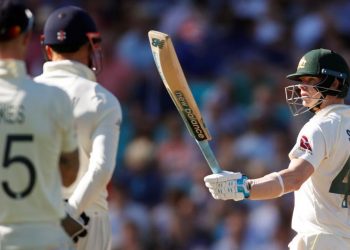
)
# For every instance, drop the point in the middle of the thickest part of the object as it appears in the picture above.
(227, 185)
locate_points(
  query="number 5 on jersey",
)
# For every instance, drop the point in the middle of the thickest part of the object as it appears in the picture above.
(9, 161)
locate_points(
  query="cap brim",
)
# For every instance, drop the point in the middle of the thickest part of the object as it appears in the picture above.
(297, 75)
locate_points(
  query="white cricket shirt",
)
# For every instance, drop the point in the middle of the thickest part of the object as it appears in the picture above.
(98, 117)
(324, 141)
(36, 125)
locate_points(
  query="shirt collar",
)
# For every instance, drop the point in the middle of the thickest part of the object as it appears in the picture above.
(69, 67)
(329, 108)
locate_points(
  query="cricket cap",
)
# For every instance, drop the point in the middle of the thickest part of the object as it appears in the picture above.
(68, 25)
(15, 19)
(321, 62)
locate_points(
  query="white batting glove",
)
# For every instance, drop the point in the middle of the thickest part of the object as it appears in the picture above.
(227, 185)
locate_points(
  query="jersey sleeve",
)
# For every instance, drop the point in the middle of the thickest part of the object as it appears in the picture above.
(310, 145)
(105, 140)
(65, 121)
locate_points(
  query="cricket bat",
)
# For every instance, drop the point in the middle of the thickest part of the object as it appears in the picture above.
(175, 82)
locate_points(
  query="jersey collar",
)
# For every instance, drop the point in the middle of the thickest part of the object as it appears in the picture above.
(70, 67)
(330, 108)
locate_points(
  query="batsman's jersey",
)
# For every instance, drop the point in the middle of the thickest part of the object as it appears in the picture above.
(325, 143)
(36, 125)
(98, 117)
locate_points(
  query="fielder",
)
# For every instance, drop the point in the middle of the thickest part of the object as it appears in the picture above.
(72, 46)
(318, 172)
(37, 131)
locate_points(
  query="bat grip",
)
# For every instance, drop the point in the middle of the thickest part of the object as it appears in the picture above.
(209, 156)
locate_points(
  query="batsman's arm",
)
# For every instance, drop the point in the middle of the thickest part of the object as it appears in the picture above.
(276, 184)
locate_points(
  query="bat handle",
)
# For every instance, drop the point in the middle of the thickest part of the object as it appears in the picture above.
(209, 156)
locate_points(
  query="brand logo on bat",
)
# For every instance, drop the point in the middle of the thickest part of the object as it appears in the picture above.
(191, 118)
(158, 43)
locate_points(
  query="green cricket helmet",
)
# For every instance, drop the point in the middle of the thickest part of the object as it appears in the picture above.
(328, 66)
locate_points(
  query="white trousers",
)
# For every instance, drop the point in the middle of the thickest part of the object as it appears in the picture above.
(34, 236)
(321, 241)
(99, 232)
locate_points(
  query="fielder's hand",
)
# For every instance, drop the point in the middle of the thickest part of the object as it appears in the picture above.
(73, 228)
(227, 185)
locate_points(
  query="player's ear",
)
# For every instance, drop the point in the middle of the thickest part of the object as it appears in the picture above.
(336, 83)
(48, 52)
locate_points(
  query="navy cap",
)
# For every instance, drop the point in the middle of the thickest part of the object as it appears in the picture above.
(15, 19)
(68, 26)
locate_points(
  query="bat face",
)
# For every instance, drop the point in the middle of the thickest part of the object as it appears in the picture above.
(175, 82)
(191, 119)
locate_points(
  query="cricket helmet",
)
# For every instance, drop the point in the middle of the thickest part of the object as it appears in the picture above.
(70, 27)
(15, 19)
(328, 66)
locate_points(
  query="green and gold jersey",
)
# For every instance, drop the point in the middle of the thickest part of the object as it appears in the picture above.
(321, 204)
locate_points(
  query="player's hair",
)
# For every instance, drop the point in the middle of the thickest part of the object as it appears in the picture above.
(67, 48)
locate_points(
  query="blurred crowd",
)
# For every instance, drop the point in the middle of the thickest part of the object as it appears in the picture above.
(235, 55)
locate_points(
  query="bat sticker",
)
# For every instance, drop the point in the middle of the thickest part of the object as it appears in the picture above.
(158, 43)
(191, 118)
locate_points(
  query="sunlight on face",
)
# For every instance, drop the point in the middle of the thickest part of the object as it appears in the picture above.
(307, 91)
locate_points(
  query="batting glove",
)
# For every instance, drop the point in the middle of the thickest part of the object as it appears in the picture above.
(227, 185)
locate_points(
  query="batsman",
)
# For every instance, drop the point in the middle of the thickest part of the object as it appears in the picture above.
(318, 172)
